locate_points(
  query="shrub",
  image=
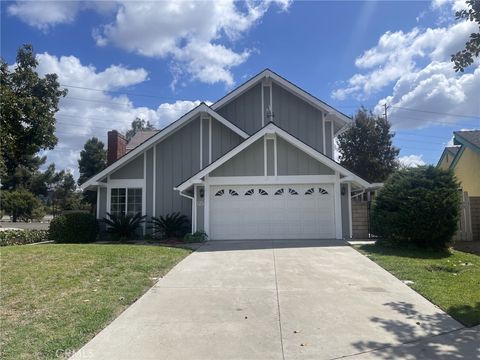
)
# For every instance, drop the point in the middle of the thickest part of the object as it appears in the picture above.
(418, 205)
(75, 227)
(21, 237)
(171, 225)
(197, 236)
(21, 204)
(123, 227)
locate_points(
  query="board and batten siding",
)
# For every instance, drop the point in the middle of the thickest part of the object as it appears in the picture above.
(132, 170)
(293, 161)
(249, 162)
(245, 111)
(149, 183)
(297, 117)
(177, 158)
(223, 139)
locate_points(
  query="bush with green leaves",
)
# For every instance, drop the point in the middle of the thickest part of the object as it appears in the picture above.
(197, 236)
(173, 225)
(21, 204)
(21, 237)
(124, 227)
(75, 227)
(418, 205)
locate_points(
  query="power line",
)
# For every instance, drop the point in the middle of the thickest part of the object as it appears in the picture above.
(435, 112)
(119, 92)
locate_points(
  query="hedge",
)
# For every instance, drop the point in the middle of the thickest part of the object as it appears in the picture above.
(74, 228)
(22, 237)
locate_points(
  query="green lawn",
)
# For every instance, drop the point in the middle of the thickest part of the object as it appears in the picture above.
(449, 279)
(54, 298)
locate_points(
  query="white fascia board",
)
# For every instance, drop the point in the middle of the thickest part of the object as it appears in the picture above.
(159, 137)
(272, 128)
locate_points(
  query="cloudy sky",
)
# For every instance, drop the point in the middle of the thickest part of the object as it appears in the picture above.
(157, 60)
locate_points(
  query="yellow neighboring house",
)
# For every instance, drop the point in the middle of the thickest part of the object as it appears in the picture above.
(464, 159)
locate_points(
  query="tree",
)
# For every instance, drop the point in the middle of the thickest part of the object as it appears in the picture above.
(464, 58)
(366, 147)
(138, 125)
(418, 205)
(21, 204)
(28, 104)
(93, 159)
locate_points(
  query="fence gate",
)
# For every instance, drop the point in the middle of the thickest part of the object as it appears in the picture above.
(464, 232)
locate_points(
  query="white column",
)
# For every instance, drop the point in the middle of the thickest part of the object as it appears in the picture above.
(338, 207)
(349, 189)
(206, 211)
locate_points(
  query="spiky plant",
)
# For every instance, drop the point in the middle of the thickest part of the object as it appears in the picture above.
(123, 226)
(171, 225)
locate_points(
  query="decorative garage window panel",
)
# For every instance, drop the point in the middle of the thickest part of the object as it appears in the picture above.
(310, 191)
(262, 192)
(322, 191)
(279, 192)
(232, 192)
(249, 192)
(292, 191)
(220, 192)
(126, 201)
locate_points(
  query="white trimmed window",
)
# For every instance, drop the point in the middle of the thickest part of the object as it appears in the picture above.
(126, 201)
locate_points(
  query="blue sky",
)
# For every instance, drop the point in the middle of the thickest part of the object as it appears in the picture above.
(157, 60)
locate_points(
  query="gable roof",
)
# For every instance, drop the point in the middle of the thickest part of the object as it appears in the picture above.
(158, 137)
(338, 117)
(469, 138)
(139, 138)
(452, 150)
(271, 128)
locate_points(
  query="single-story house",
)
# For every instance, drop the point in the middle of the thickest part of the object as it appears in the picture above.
(256, 164)
(464, 159)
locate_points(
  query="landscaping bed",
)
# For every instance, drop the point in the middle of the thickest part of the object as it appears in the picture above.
(56, 297)
(449, 279)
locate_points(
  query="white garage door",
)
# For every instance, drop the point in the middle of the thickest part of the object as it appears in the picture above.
(272, 212)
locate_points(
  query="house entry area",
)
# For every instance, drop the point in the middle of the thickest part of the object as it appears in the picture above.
(302, 211)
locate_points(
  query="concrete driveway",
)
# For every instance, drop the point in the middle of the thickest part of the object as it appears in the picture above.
(281, 300)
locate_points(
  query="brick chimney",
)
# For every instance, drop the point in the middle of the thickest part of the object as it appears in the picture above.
(117, 146)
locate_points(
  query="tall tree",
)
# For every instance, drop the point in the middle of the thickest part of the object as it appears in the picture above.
(28, 104)
(93, 159)
(366, 147)
(464, 58)
(138, 125)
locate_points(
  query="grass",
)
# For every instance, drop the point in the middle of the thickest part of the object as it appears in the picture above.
(449, 279)
(54, 298)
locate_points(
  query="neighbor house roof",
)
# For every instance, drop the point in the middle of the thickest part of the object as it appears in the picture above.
(139, 138)
(471, 137)
(272, 128)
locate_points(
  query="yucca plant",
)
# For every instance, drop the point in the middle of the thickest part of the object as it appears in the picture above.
(123, 226)
(171, 225)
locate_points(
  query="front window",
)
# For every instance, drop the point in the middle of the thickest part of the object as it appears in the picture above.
(126, 201)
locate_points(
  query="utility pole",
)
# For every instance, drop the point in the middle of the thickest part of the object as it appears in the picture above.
(385, 114)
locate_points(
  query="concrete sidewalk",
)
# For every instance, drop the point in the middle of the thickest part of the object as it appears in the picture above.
(280, 300)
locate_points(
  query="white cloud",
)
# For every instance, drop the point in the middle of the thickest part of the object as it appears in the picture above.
(417, 65)
(85, 113)
(411, 160)
(196, 36)
(45, 14)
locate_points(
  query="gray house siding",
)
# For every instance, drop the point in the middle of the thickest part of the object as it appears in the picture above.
(103, 203)
(131, 170)
(178, 158)
(249, 162)
(246, 110)
(293, 161)
(297, 117)
(223, 139)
